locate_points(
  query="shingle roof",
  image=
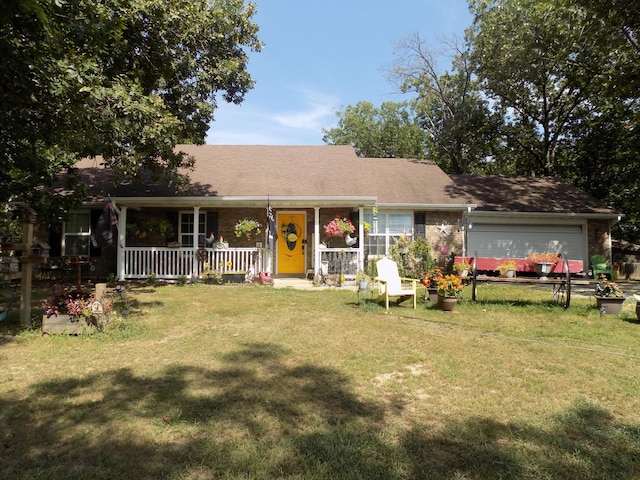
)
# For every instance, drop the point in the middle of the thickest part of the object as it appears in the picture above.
(315, 171)
(496, 193)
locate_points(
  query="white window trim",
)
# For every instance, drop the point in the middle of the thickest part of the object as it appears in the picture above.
(386, 234)
(190, 212)
(86, 234)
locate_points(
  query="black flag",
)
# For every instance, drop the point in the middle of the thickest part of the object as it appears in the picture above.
(102, 232)
(272, 231)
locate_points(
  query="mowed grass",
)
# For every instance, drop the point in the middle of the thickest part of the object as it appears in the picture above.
(207, 382)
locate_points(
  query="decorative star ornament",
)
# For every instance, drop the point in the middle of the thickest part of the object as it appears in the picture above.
(444, 228)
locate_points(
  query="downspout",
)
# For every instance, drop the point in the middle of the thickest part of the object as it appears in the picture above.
(361, 237)
(316, 240)
(609, 243)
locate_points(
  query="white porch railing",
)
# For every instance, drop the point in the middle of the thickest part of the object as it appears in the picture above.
(171, 263)
(339, 261)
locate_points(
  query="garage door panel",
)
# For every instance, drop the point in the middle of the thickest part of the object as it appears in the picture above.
(517, 241)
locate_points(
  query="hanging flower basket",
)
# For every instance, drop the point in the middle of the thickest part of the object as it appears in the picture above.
(247, 228)
(339, 227)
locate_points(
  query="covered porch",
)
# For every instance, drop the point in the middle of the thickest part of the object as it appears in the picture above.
(175, 259)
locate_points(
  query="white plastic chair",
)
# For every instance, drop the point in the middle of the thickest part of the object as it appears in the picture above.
(390, 284)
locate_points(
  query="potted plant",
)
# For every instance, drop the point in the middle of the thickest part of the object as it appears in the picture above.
(462, 269)
(247, 228)
(233, 276)
(609, 296)
(340, 227)
(542, 262)
(637, 299)
(449, 288)
(430, 281)
(74, 312)
(507, 268)
(210, 276)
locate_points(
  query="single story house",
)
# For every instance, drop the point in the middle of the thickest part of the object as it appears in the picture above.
(160, 232)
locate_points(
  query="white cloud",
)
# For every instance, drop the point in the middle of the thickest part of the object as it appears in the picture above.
(247, 125)
(318, 111)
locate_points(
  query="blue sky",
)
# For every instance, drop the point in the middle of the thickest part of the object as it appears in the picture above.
(319, 57)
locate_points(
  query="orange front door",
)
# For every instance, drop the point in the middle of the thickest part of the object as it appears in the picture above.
(291, 242)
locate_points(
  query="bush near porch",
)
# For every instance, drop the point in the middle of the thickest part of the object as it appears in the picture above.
(257, 382)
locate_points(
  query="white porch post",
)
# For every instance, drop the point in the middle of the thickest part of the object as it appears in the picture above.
(361, 238)
(122, 243)
(316, 239)
(196, 235)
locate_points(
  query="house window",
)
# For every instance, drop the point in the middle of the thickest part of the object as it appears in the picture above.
(187, 227)
(77, 234)
(386, 230)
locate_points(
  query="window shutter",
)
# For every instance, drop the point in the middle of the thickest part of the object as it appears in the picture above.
(419, 221)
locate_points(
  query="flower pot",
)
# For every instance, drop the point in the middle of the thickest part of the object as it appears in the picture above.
(511, 273)
(233, 277)
(543, 269)
(610, 305)
(447, 304)
(433, 294)
(66, 324)
(349, 240)
(363, 285)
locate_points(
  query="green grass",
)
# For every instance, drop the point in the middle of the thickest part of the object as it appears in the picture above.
(202, 382)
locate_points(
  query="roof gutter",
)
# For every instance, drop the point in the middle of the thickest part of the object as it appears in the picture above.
(244, 201)
(576, 215)
(430, 206)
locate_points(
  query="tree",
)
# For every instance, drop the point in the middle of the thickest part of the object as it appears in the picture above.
(616, 43)
(125, 79)
(608, 143)
(535, 60)
(390, 131)
(461, 129)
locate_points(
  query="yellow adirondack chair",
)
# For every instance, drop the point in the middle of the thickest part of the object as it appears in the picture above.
(390, 284)
(599, 265)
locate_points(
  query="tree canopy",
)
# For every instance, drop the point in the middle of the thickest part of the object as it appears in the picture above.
(459, 125)
(125, 79)
(385, 132)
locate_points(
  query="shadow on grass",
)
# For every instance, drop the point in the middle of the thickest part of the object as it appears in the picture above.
(257, 415)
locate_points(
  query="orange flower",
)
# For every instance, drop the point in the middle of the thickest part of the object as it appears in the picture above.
(450, 286)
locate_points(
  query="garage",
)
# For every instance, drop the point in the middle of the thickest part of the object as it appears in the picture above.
(518, 240)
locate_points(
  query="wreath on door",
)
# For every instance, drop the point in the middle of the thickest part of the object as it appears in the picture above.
(291, 236)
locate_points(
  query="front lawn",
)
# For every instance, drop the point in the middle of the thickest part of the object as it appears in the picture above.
(204, 382)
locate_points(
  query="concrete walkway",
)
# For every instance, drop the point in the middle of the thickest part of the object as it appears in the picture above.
(303, 284)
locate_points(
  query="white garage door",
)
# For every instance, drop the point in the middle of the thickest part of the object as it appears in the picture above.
(517, 241)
